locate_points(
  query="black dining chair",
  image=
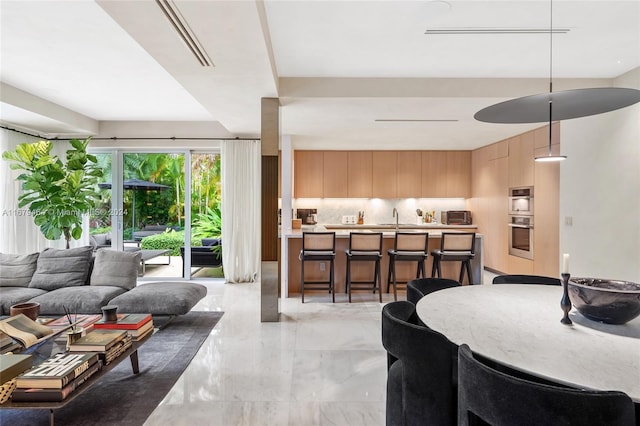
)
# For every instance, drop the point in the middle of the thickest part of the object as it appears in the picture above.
(525, 279)
(418, 288)
(421, 389)
(497, 398)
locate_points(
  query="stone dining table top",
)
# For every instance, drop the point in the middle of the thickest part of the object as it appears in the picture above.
(519, 326)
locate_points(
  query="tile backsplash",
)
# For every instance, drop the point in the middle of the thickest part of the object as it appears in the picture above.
(376, 211)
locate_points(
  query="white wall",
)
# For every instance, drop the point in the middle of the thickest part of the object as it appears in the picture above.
(600, 191)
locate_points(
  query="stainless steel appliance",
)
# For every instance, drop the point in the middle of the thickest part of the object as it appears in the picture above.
(456, 217)
(308, 216)
(521, 236)
(521, 201)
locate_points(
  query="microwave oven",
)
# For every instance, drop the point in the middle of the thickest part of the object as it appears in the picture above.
(456, 217)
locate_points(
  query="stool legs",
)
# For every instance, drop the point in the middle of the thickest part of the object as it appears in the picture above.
(302, 279)
(331, 281)
(377, 279)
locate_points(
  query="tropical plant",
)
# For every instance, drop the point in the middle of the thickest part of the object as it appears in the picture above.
(209, 225)
(56, 193)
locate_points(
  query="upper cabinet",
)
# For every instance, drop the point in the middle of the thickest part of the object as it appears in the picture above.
(521, 160)
(382, 174)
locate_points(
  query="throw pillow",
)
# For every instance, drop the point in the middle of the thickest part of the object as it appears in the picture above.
(59, 268)
(16, 270)
(116, 268)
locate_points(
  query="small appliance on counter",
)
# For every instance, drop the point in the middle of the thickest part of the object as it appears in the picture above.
(456, 217)
(308, 216)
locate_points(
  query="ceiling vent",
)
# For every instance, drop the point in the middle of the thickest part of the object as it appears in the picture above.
(489, 30)
(178, 22)
(410, 120)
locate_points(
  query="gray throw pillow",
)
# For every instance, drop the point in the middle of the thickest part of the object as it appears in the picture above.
(59, 268)
(16, 270)
(116, 268)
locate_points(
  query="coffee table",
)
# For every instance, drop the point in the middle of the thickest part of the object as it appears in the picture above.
(131, 353)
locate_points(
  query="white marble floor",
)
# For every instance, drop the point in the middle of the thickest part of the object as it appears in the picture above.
(322, 364)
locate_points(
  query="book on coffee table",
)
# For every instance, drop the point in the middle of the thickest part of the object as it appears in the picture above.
(54, 395)
(125, 322)
(86, 321)
(25, 330)
(13, 365)
(97, 341)
(57, 371)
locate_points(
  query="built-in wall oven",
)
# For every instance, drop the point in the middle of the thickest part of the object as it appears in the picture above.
(521, 236)
(521, 201)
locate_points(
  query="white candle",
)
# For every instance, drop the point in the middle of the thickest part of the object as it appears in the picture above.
(565, 263)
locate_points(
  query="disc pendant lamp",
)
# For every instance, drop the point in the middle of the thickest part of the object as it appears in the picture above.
(563, 105)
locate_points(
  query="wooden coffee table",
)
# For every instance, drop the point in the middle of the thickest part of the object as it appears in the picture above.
(131, 353)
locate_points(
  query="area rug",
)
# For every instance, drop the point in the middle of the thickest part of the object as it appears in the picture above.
(122, 398)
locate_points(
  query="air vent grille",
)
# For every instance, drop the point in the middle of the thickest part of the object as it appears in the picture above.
(410, 120)
(481, 30)
(178, 22)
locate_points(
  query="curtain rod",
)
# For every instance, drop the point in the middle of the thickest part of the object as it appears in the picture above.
(115, 138)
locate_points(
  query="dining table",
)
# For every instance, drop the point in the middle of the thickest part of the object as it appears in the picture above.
(518, 325)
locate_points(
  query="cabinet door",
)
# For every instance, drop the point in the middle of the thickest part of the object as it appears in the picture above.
(360, 174)
(335, 174)
(308, 174)
(434, 174)
(409, 166)
(384, 176)
(458, 174)
(521, 160)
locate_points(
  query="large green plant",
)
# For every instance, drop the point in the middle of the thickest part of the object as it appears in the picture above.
(56, 193)
(209, 225)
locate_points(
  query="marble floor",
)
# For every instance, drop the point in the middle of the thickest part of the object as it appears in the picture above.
(322, 364)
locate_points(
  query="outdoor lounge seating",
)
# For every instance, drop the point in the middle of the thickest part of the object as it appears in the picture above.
(205, 256)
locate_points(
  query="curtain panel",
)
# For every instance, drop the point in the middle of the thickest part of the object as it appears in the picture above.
(241, 191)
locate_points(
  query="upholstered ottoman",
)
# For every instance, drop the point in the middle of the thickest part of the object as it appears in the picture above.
(161, 298)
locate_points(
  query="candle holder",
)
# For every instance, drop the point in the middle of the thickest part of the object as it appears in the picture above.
(565, 302)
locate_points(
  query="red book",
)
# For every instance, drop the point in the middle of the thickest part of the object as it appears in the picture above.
(125, 322)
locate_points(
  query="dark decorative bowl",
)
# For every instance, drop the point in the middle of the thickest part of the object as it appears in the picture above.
(30, 309)
(608, 301)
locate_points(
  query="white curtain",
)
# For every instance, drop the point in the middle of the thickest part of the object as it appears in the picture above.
(18, 233)
(241, 195)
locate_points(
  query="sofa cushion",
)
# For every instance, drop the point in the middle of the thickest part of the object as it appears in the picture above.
(116, 268)
(12, 295)
(16, 270)
(162, 298)
(81, 300)
(59, 268)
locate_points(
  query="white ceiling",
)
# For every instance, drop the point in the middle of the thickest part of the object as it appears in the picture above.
(336, 65)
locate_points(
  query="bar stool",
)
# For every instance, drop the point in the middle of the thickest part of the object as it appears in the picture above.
(407, 247)
(364, 247)
(318, 247)
(455, 246)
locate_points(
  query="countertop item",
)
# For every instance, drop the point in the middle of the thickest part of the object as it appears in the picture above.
(519, 325)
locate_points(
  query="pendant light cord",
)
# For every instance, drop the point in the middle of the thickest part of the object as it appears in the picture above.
(550, 70)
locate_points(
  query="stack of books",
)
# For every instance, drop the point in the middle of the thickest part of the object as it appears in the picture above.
(8, 344)
(109, 344)
(137, 325)
(56, 378)
(25, 330)
(84, 321)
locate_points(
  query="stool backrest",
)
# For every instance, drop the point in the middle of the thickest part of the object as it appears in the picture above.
(412, 241)
(318, 241)
(365, 241)
(458, 242)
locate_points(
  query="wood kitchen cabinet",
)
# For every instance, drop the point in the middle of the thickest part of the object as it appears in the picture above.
(308, 174)
(541, 140)
(521, 160)
(360, 174)
(458, 182)
(434, 174)
(335, 166)
(384, 178)
(409, 174)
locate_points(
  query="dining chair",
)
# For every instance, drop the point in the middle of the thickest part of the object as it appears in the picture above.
(420, 287)
(421, 379)
(364, 247)
(455, 246)
(502, 399)
(525, 279)
(318, 247)
(407, 247)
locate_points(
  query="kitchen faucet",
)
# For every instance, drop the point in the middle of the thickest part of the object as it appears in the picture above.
(397, 216)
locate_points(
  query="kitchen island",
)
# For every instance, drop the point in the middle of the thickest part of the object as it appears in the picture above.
(405, 270)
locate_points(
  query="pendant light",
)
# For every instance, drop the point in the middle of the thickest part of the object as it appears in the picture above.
(567, 104)
(550, 157)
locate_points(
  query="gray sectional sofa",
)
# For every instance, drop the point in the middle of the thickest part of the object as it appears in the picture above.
(83, 282)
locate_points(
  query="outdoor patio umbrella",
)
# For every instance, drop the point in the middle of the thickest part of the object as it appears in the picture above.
(135, 185)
